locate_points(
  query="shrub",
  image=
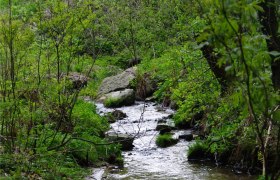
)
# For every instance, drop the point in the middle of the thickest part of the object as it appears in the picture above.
(90, 127)
(165, 140)
(87, 120)
(198, 151)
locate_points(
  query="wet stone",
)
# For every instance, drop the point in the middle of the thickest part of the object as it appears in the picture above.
(125, 140)
(115, 115)
(187, 136)
(164, 127)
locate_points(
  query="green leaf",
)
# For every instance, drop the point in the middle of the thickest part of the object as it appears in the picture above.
(274, 53)
(228, 68)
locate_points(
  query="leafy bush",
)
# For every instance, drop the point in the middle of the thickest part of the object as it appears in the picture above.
(89, 130)
(197, 151)
(165, 140)
(87, 120)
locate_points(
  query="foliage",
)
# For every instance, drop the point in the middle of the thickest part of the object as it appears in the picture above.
(198, 150)
(48, 165)
(217, 58)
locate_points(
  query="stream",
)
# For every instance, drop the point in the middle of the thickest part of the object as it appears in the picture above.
(146, 160)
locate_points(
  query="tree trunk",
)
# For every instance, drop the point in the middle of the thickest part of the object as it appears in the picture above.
(219, 71)
(269, 22)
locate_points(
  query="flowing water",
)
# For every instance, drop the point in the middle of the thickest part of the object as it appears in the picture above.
(146, 160)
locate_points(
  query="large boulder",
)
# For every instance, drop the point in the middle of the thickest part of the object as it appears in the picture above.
(119, 98)
(124, 139)
(118, 82)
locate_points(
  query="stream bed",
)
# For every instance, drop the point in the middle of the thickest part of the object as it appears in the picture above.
(146, 160)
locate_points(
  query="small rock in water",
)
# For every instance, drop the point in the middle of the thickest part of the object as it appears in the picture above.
(165, 130)
(170, 116)
(124, 139)
(115, 115)
(187, 137)
(163, 120)
(166, 127)
(150, 99)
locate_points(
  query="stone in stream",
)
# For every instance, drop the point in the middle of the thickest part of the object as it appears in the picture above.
(119, 115)
(187, 136)
(115, 115)
(164, 128)
(165, 119)
(150, 99)
(124, 139)
(124, 97)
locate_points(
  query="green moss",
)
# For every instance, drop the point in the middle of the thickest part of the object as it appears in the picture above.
(113, 102)
(165, 140)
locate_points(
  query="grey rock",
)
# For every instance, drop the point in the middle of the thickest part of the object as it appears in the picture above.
(187, 136)
(119, 115)
(118, 82)
(119, 98)
(115, 115)
(164, 128)
(124, 139)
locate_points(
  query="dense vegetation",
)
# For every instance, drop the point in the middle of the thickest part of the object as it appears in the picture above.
(215, 61)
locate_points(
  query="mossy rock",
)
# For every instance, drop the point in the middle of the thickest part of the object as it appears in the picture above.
(115, 115)
(115, 83)
(119, 98)
(163, 126)
(165, 140)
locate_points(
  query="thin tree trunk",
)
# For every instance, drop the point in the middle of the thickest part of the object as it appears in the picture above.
(270, 25)
(219, 71)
